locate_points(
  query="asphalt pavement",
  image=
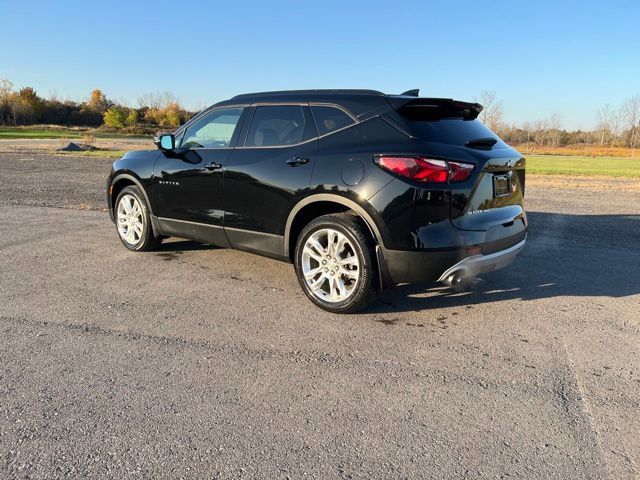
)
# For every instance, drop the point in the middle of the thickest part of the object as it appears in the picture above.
(200, 362)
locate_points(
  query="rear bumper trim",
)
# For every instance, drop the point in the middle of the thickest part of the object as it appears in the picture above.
(476, 264)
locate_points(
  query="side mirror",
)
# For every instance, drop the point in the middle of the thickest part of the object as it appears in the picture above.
(165, 141)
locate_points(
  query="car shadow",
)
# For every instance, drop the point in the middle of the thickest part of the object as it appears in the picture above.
(172, 249)
(183, 245)
(566, 255)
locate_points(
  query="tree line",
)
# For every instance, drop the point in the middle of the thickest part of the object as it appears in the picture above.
(615, 126)
(25, 107)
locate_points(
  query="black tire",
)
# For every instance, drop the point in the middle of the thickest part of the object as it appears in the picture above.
(147, 241)
(366, 289)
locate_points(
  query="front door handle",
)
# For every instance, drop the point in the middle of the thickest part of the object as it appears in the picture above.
(212, 166)
(296, 161)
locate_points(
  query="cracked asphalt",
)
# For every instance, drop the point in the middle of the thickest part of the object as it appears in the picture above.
(198, 362)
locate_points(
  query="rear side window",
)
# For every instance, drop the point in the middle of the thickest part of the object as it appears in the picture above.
(274, 126)
(329, 119)
(452, 131)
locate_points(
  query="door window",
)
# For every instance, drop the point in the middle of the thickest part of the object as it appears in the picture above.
(213, 130)
(330, 119)
(274, 126)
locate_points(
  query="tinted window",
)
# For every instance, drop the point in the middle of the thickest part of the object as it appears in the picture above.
(276, 126)
(329, 119)
(454, 131)
(213, 130)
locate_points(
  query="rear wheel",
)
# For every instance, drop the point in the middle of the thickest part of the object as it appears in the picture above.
(133, 221)
(335, 264)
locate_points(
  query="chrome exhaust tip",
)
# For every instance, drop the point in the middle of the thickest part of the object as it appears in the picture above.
(455, 279)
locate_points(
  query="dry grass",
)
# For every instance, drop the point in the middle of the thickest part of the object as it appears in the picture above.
(564, 182)
(92, 153)
(578, 150)
(89, 139)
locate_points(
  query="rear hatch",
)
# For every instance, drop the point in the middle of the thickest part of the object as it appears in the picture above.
(493, 195)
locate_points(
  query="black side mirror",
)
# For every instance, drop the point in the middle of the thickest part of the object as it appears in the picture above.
(165, 141)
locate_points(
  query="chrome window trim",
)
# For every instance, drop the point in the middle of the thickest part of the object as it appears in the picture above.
(268, 104)
(333, 105)
(277, 146)
(280, 104)
(305, 104)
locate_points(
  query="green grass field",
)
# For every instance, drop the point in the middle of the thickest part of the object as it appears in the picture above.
(15, 133)
(583, 166)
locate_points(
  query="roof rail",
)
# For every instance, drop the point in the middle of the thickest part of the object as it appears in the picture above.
(308, 92)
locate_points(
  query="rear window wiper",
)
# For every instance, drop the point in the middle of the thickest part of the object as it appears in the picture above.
(481, 143)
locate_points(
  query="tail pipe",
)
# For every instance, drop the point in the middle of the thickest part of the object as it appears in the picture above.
(471, 266)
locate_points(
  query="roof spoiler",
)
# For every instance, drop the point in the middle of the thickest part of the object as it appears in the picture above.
(434, 107)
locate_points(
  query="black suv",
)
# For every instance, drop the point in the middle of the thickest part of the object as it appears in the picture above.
(358, 189)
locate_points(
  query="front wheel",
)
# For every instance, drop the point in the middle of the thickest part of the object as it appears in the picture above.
(335, 263)
(133, 221)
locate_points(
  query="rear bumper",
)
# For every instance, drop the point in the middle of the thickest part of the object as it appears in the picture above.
(450, 265)
(477, 264)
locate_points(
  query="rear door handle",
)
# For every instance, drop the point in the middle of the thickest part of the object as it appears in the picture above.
(296, 161)
(212, 166)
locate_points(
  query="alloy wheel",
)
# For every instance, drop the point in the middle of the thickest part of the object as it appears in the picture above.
(330, 265)
(130, 219)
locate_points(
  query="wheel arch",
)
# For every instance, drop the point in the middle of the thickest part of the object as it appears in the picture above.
(123, 180)
(341, 203)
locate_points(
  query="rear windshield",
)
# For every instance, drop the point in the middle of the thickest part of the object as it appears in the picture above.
(452, 131)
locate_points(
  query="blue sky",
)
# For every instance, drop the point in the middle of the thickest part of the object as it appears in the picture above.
(566, 57)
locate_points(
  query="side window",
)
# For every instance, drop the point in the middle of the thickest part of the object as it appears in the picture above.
(276, 126)
(329, 119)
(213, 130)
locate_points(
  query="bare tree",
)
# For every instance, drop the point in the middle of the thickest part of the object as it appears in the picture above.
(157, 100)
(616, 124)
(527, 128)
(6, 88)
(605, 120)
(6, 102)
(491, 114)
(553, 124)
(540, 131)
(631, 119)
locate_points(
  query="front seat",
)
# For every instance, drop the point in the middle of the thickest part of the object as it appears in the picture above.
(266, 137)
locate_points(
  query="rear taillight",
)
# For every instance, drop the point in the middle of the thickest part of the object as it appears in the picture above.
(423, 169)
(459, 172)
